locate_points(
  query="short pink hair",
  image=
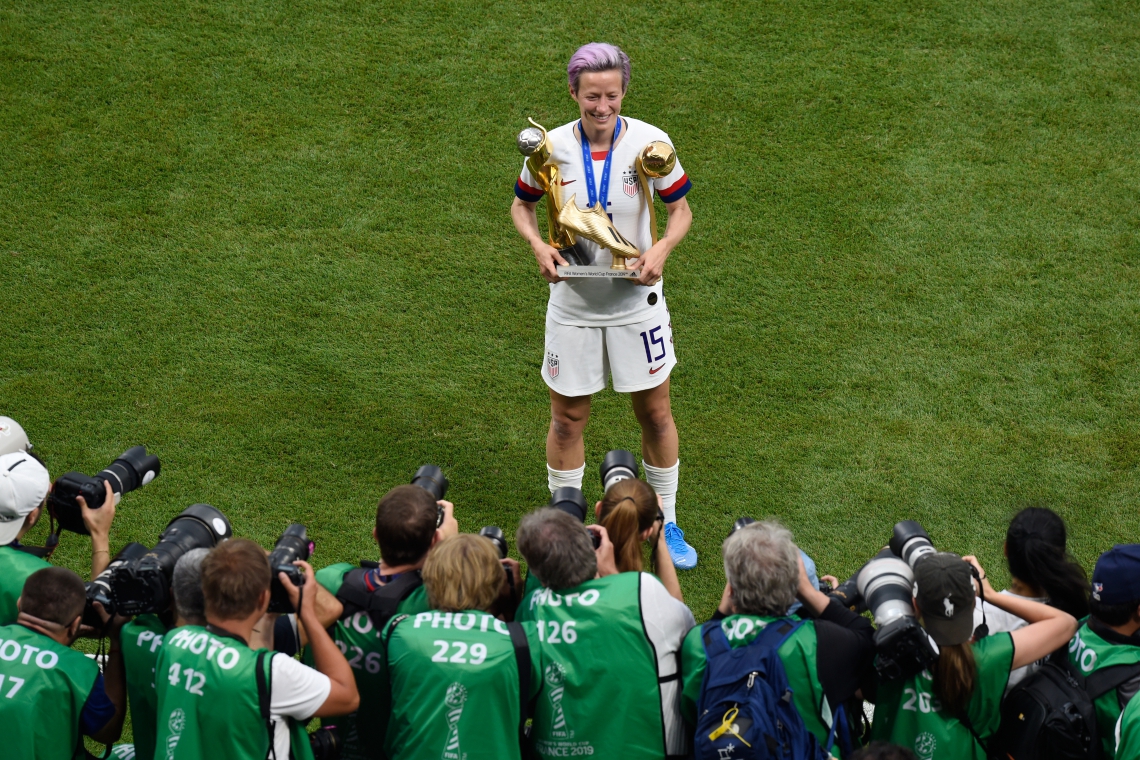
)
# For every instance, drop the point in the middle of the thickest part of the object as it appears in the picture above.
(597, 56)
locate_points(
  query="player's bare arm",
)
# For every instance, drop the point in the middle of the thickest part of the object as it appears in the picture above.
(526, 222)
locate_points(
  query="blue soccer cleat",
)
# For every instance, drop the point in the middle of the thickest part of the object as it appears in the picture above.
(684, 556)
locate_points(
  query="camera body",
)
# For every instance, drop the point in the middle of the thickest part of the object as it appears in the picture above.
(99, 590)
(326, 743)
(133, 468)
(142, 585)
(293, 545)
(431, 479)
(495, 534)
(886, 585)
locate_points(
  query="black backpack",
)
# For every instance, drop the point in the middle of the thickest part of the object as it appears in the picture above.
(1050, 714)
(380, 603)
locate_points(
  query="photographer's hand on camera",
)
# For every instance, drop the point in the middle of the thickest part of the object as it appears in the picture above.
(450, 526)
(604, 551)
(813, 600)
(98, 522)
(327, 658)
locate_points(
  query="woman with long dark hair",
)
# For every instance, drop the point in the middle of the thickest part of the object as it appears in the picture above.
(1041, 570)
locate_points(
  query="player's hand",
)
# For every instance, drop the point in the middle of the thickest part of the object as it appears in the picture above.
(651, 264)
(548, 261)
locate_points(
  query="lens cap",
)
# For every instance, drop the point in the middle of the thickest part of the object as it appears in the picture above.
(571, 501)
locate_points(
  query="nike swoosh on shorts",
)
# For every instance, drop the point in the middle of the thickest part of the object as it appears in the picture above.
(656, 369)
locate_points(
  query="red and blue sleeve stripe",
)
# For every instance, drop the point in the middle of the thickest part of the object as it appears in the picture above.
(677, 190)
(525, 192)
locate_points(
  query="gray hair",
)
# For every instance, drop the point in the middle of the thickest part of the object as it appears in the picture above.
(186, 586)
(762, 565)
(557, 548)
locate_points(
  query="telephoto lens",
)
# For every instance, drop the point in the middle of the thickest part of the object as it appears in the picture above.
(293, 545)
(431, 479)
(618, 465)
(910, 542)
(99, 590)
(902, 645)
(571, 501)
(740, 523)
(133, 468)
(325, 743)
(142, 585)
(495, 534)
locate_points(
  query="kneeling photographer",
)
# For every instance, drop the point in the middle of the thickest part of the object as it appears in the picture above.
(952, 699)
(468, 701)
(410, 519)
(825, 657)
(609, 644)
(218, 697)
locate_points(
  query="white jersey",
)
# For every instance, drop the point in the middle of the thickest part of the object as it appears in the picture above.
(597, 302)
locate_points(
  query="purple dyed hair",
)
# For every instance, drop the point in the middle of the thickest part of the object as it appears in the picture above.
(597, 56)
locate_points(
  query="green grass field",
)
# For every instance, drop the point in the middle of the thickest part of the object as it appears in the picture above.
(273, 244)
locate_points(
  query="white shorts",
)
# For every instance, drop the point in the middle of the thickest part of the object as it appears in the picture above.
(638, 356)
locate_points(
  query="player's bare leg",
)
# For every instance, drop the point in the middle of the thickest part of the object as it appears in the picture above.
(659, 454)
(565, 450)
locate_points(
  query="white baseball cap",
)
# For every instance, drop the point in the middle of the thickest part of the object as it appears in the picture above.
(24, 485)
(12, 436)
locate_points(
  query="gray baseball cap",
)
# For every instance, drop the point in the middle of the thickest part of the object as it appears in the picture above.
(944, 591)
(12, 437)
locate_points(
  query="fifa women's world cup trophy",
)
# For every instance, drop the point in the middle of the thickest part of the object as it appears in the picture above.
(566, 222)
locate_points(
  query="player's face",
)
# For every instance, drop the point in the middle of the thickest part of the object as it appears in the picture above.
(599, 98)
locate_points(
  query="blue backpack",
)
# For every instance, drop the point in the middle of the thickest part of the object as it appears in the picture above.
(745, 709)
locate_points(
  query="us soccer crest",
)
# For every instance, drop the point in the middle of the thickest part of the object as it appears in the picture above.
(552, 364)
(629, 183)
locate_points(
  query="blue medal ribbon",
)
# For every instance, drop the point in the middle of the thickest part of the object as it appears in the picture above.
(602, 193)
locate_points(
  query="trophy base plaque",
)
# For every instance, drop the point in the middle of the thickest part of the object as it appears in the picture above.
(597, 271)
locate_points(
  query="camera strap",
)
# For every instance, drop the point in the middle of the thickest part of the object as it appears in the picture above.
(264, 695)
(522, 662)
(358, 593)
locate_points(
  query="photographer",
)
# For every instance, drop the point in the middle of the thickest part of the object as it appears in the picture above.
(1110, 638)
(825, 659)
(217, 697)
(472, 703)
(142, 641)
(631, 514)
(409, 521)
(1041, 570)
(53, 694)
(955, 703)
(24, 486)
(609, 646)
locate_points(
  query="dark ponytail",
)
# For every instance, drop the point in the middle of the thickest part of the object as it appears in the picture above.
(955, 676)
(1035, 547)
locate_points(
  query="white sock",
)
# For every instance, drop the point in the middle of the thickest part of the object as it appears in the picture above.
(558, 478)
(664, 482)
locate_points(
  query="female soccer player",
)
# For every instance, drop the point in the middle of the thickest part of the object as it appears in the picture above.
(616, 327)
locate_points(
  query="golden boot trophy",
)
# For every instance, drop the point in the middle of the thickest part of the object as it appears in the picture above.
(566, 222)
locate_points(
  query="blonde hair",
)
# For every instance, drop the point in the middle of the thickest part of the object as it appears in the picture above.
(627, 509)
(463, 573)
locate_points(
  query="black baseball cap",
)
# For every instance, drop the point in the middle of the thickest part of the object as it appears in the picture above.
(944, 591)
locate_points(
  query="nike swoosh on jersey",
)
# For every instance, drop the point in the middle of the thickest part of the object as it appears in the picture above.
(566, 181)
(656, 369)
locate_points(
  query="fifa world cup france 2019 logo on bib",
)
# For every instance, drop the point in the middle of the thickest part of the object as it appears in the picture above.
(630, 182)
(556, 679)
(176, 723)
(456, 696)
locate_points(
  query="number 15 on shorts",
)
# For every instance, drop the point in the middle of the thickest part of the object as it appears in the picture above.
(652, 340)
